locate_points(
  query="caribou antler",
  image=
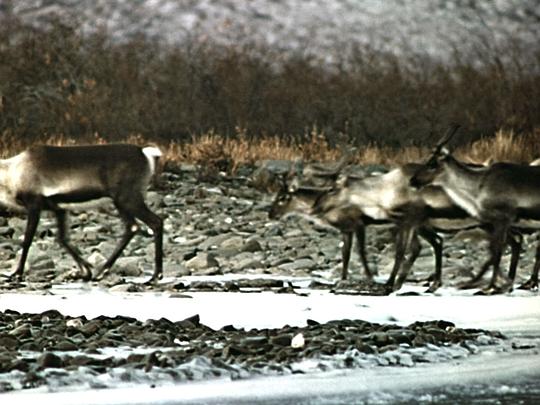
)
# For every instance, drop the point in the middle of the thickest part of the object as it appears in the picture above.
(320, 170)
(452, 129)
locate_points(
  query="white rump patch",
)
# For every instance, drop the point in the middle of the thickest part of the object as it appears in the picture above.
(152, 153)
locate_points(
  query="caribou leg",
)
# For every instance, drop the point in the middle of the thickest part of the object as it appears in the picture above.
(497, 243)
(62, 238)
(532, 282)
(131, 208)
(34, 213)
(514, 239)
(414, 248)
(436, 243)
(130, 228)
(346, 237)
(404, 237)
(361, 246)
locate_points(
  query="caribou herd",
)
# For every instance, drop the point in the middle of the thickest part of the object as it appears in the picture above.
(501, 198)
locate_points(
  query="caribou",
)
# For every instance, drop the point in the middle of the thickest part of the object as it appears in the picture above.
(324, 203)
(55, 178)
(294, 198)
(499, 196)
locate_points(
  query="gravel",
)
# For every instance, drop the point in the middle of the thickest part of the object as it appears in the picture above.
(220, 228)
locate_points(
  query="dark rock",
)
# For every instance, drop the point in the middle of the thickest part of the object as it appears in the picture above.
(21, 331)
(281, 340)
(437, 333)
(252, 246)
(379, 339)
(90, 328)
(65, 345)
(254, 341)
(233, 350)
(6, 386)
(20, 365)
(365, 348)
(190, 323)
(32, 380)
(401, 335)
(49, 360)
(9, 342)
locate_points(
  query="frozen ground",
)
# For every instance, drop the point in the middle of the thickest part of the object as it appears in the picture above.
(508, 378)
(494, 373)
(516, 313)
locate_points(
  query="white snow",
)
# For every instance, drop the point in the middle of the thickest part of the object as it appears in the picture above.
(516, 314)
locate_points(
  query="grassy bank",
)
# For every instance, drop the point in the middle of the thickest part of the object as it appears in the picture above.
(213, 150)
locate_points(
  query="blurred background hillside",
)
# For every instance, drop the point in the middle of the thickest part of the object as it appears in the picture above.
(388, 73)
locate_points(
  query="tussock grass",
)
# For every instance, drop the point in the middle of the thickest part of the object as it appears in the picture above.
(504, 146)
(213, 151)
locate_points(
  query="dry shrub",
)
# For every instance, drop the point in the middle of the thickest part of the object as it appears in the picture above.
(59, 81)
(504, 146)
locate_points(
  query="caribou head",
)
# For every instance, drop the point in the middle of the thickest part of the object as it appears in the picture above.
(428, 172)
(292, 197)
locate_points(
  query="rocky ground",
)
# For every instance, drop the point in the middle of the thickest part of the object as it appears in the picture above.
(220, 227)
(42, 349)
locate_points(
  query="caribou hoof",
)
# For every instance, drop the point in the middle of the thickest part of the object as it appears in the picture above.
(154, 279)
(429, 280)
(18, 277)
(530, 285)
(100, 275)
(389, 287)
(467, 285)
(493, 290)
(372, 273)
(434, 287)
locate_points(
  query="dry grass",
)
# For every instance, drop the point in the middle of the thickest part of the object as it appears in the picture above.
(505, 146)
(214, 152)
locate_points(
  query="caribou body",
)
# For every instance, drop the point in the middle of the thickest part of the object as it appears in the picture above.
(49, 177)
(498, 196)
